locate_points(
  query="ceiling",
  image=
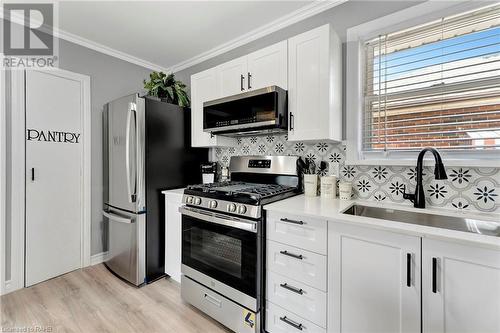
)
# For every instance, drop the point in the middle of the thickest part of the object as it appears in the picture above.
(166, 33)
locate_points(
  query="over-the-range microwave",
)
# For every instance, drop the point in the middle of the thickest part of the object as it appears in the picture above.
(254, 112)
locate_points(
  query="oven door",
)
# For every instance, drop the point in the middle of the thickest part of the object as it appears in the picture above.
(221, 247)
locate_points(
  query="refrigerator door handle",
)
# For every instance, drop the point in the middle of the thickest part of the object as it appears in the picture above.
(131, 196)
(117, 218)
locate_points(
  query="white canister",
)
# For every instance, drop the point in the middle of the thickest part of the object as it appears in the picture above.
(328, 187)
(345, 190)
(311, 185)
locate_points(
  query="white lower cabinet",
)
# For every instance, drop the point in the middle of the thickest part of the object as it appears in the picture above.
(297, 297)
(460, 288)
(332, 276)
(304, 232)
(279, 320)
(173, 234)
(374, 280)
(296, 273)
(304, 266)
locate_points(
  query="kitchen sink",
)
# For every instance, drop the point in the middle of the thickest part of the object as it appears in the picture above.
(426, 219)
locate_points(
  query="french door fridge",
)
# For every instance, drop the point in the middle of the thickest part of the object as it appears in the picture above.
(146, 149)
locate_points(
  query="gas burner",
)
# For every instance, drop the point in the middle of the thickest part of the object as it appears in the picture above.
(256, 181)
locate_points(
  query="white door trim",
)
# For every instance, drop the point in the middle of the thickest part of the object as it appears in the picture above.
(19, 173)
(3, 179)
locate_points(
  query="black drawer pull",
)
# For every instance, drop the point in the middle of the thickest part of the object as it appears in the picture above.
(293, 255)
(434, 275)
(408, 269)
(291, 323)
(291, 221)
(294, 289)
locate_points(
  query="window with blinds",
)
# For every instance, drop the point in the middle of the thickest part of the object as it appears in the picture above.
(435, 85)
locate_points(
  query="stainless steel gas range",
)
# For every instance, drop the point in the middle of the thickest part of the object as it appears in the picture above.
(223, 238)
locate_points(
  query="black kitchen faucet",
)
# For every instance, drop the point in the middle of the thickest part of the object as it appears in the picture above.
(418, 198)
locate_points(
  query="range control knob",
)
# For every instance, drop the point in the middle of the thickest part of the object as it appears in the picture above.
(213, 204)
(242, 209)
(197, 201)
(231, 207)
(189, 200)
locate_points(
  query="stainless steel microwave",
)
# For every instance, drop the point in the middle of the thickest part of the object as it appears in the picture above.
(248, 113)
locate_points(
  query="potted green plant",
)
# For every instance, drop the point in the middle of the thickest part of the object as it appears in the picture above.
(167, 88)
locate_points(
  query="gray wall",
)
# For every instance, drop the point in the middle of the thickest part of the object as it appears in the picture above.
(342, 17)
(110, 78)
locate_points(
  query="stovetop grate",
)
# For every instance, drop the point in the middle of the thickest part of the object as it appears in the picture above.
(258, 191)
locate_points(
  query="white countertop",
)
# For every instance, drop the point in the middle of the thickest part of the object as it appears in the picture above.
(177, 191)
(331, 209)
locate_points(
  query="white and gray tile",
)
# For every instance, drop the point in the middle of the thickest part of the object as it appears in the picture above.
(466, 188)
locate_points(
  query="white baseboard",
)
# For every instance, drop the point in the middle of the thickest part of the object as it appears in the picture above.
(8, 287)
(98, 258)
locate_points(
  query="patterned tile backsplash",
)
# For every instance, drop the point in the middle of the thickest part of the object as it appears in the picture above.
(465, 189)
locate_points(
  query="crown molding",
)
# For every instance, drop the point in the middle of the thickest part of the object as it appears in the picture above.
(108, 50)
(298, 15)
(75, 39)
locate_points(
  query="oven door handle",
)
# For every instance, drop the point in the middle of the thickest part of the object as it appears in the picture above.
(225, 220)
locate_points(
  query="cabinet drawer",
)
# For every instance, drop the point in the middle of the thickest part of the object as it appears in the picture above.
(279, 320)
(304, 232)
(297, 297)
(304, 266)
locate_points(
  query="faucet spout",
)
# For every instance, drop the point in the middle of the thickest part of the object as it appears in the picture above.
(439, 173)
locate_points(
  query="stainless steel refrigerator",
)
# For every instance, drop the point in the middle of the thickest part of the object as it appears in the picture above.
(146, 149)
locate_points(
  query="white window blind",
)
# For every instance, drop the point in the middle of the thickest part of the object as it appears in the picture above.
(435, 85)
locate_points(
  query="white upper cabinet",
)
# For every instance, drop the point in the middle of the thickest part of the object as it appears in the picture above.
(231, 77)
(309, 66)
(460, 288)
(204, 88)
(374, 280)
(262, 68)
(268, 67)
(315, 85)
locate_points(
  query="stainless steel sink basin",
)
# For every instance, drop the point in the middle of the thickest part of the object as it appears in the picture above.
(430, 220)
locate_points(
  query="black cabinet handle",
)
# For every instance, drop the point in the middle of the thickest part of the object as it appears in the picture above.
(291, 221)
(242, 78)
(434, 275)
(408, 269)
(32, 174)
(293, 255)
(291, 288)
(248, 83)
(291, 323)
(291, 121)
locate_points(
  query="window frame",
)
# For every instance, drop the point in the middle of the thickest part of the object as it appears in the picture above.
(355, 65)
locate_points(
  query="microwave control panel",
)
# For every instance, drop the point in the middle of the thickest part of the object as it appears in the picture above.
(261, 164)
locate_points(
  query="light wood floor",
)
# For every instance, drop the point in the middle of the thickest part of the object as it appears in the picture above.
(93, 300)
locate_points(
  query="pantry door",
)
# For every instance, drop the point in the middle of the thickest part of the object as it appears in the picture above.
(54, 174)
